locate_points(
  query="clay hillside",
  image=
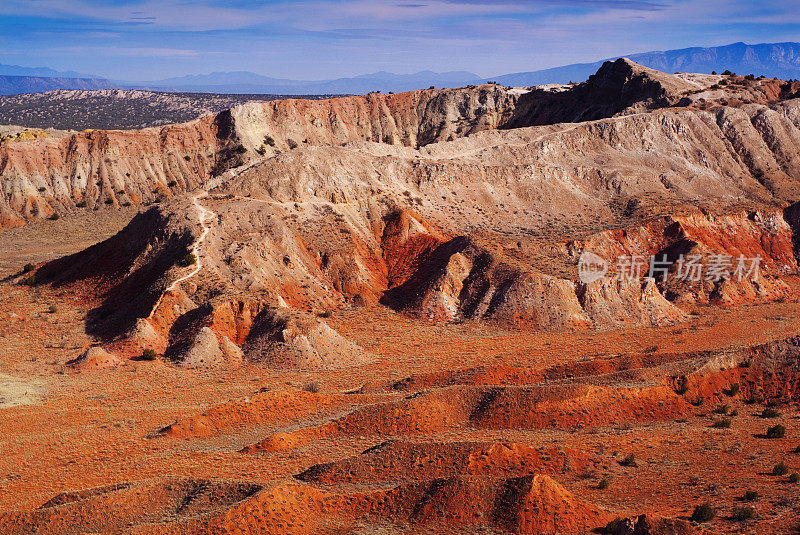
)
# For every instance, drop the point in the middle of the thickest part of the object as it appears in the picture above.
(367, 314)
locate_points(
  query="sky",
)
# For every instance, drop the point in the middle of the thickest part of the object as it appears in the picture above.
(322, 39)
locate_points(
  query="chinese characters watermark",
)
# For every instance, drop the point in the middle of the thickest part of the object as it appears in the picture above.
(687, 268)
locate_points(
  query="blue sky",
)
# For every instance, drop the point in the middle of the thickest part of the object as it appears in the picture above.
(319, 39)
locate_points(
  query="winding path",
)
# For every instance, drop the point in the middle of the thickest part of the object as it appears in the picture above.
(206, 215)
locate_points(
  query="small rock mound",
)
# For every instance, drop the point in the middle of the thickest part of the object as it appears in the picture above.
(293, 339)
(95, 358)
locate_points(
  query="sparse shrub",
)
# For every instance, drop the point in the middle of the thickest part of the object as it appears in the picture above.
(189, 260)
(388, 139)
(148, 354)
(54, 217)
(780, 469)
(713, 72)
(42, 189)
(776, 431)
(603, 483)
(723, 423)
(726, 72)
(794, 478)
(269, 141)
(750, 496)
(292, 143)
(650, 349)
(109, 201)
(81, 204)
(733, 390)
(171, 184)
(126, 204)
(52, 309)
(703, 513)
(743, 513)
(796, 450)
(30, 281)
(325, 314)
(714, 86)
(769, 412)
(262, 150)
(734, 412)
(311, 387)
(722, 409)
(187, 158)
(629, 461)
(239, 148)
(27, 268)
(750, 77)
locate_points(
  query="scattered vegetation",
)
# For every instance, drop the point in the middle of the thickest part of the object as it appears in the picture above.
(722, 409)
(629, 461)
(743, 513)
(171, 184)
(733, 390)
(292, 143)
(54, 217)
(603, 483)
(189, 260)
(794, 478)
(261, 151)
(27, 268)
(723, 423)
(780, 469)
(52, 309)
(769, 412)
(311, 387)
(148, 354)
(776, 431)
(81, 204)
(703, 513)
(269, 141)
(750, 496)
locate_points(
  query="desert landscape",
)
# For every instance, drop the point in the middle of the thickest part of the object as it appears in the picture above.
(565, 308)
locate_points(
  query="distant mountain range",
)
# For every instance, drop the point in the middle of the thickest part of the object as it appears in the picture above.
(14, 85)
(777, 60)
(780, 60)
(248, 82)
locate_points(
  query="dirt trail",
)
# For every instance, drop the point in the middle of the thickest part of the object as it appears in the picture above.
(206, 215)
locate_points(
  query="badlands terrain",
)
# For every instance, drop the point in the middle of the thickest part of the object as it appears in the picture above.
(364, 315)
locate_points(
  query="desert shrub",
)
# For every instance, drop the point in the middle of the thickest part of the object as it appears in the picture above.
(54, 217)
(794, 478)
(703, 513)
(629, 460)
(780, 469)
(726, 72)
(796, 450)
(52, 309)
(42, 189)
(239, 148)
(713, 72)
(292, 143)
(714, 86)
(30, 281)
(189, 260)
(750, 496)
(769, 412)
(742, 513)
(187, 158)
(733, 390)
(603, 483)
(650, 349)
(148, 354)
(269, 141)
(722, 423)
(325, 314)
(81, 204)
(311, 387)
(750, 77)
(27, 268)
(776, 431)
(262, 150)
(109, 201)
(722, 409)
(126, 204)
(172, 184)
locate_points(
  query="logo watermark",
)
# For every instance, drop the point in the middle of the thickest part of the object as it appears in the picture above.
(685, 268)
